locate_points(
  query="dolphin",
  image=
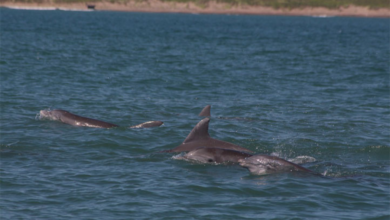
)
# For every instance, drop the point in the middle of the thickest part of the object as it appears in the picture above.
(205, 111)
(148, 124)
(199, 137)
(214, 155)
(72, 119)
(264, 164)
(218, 155)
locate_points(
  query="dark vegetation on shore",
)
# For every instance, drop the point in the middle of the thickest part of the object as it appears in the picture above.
(289, 4)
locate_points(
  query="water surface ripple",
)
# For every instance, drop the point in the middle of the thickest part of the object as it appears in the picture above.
(284, 85)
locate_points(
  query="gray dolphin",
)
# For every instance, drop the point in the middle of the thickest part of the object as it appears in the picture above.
(148, 124)
(264, 164)
(72, 119)
(199, 137)
(214, 155)
(205, 111)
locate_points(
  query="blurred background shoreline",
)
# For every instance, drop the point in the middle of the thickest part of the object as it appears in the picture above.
(359, 8)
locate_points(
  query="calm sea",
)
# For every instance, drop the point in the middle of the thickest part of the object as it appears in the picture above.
(289, 86)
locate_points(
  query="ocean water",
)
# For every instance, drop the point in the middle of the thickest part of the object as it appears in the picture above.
(289, 86)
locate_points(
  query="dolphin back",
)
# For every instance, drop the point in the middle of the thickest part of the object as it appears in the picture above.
(76, 120)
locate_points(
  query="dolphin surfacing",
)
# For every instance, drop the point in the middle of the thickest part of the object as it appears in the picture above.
(214, 155)
(72, 119)
(264, 164)
(199, 137)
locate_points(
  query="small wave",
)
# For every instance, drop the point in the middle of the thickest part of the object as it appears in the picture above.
(71, 9)
(377, 147)
(179, 157)
(376, 151)
(39, 116)
(47, 8)
(323, 16)
(32, 8)
(10, 144)
(302, 159)
(237, 118)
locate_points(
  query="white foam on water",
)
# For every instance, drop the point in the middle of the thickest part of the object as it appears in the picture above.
(47, 8)
(323, 16)
(73, 9)
(32, 8)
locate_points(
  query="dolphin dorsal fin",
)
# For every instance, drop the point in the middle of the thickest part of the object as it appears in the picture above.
(205, 111)
(199, 132)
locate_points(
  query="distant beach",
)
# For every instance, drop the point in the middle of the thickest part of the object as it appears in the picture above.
(208, 8)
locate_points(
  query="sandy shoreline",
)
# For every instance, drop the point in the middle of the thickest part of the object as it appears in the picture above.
(211, 8)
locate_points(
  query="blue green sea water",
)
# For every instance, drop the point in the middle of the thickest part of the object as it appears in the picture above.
(289, 86)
